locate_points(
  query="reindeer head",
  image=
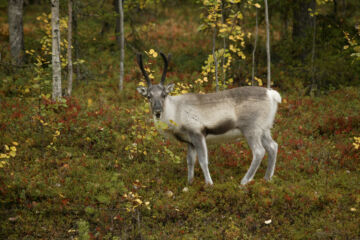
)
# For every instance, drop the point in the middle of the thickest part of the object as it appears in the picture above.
(155, 93)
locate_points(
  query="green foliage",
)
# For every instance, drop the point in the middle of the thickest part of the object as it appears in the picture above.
(83, 230)
(353, 43)
(225, 25)
(95, 167)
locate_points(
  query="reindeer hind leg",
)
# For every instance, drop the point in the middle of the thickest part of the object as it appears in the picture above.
(254, 140)
(271, 148)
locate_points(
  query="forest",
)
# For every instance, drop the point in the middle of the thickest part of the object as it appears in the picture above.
(80, 154)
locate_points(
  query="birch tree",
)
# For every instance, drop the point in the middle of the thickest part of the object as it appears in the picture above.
(70, 65)
(122, 43)
(268, 45)
(223, 20)
(255, 45)
(56, 65)
(16, 32)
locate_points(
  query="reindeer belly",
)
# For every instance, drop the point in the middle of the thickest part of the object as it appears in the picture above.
(222, 131)
(228, 136)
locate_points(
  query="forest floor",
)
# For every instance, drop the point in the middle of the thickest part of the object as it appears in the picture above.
(94, 166)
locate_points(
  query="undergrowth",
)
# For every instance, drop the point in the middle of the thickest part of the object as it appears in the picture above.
(74, 172)
(92, 166)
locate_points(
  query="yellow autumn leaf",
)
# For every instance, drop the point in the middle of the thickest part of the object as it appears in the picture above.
(89, 102)
(13, 149)
(6, 147)
(173, 122)
(138, 201)
(12, 154)
(257, 5)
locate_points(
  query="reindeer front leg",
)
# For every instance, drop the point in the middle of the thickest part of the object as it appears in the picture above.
(198, 140)
(191, 159)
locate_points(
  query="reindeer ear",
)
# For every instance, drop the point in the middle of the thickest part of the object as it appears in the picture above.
(142, 90)
(169, 88)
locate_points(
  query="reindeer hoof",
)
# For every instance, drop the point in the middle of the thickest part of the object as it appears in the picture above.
(190, 181)
(209, 183)
(244, 181)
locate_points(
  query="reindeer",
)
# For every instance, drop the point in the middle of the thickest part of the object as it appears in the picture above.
(196, 119)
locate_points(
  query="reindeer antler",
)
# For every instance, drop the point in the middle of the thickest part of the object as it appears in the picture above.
(166, 60)
(141, 65)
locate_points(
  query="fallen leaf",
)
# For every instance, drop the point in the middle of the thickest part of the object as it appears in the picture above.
(185, 189)
(169, 193)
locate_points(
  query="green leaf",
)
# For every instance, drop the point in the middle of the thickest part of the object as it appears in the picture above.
(90, 210)
(202, 27)
(103, 199)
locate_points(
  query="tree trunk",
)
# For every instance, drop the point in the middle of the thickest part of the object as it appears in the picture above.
(335, 8)
(302, 27)
(106, 25)
(16, 32)
(313, 69)
(56, 65)
(254, 50)
(268, 45)
(215, 60)
(70, 65)
(284, 16)
(302, 21)
(224, 46)
(122, 43)
(75, 37)
(117, 22)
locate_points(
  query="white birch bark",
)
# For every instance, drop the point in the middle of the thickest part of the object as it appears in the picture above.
(16, 32)
(56, 65)
(254, 50)
(122, 43)
(70, 65)
(268, 45)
